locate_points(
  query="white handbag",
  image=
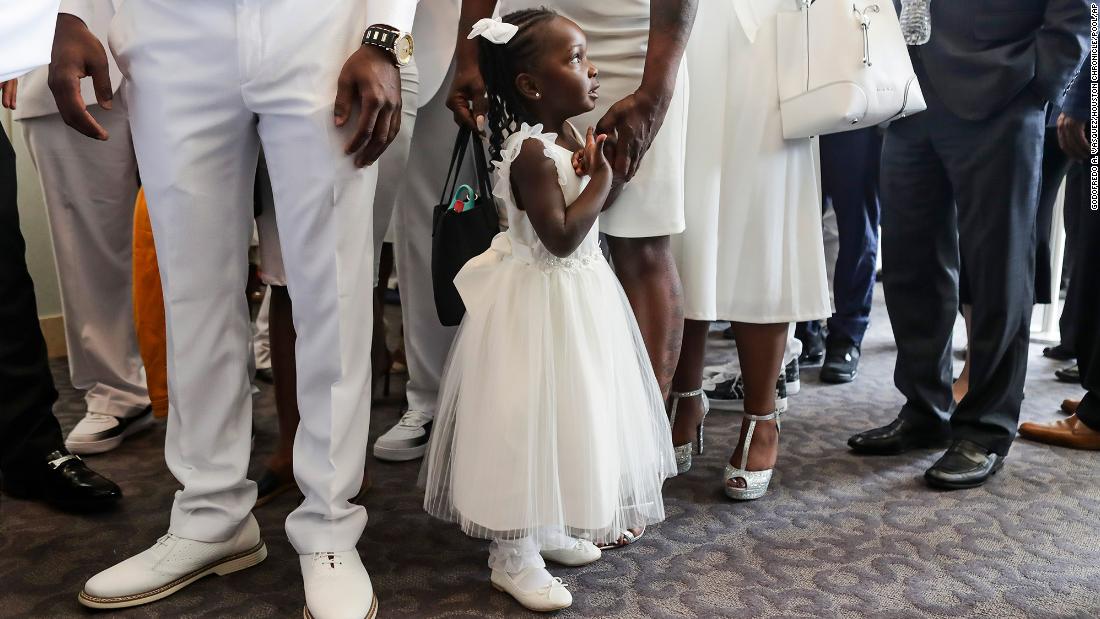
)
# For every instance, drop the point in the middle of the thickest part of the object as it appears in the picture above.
(844, 66)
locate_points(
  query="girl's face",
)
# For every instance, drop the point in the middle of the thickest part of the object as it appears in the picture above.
(563, 82)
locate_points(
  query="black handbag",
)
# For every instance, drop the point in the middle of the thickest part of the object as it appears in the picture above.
(463, 226)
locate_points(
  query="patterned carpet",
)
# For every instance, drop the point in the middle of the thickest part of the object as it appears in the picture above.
(837, 536)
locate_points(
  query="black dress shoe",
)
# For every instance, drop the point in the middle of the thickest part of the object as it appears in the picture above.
(1071, 374)
(900, 436)
(813, 349)
(965, 465)
(63, 481)
(1061, 352)
(841, 361)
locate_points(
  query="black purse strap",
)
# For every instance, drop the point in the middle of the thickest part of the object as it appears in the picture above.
(454, 170)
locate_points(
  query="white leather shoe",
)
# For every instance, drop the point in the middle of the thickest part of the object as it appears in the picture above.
(582, 552)
(170, 565)
(337, 586)
(544, 598)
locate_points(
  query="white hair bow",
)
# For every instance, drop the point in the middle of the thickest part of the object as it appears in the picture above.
(495, 30)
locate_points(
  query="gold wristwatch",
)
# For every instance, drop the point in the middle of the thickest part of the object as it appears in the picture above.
(397, 43)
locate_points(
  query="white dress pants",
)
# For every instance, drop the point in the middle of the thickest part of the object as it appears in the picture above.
(90, 188)
(426, 341)
(209, 81)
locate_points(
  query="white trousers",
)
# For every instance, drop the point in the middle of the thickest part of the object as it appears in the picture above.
(90, 188)
(209, 81)
(426, 341)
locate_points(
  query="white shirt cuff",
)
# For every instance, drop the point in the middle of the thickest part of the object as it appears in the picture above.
(395, 13)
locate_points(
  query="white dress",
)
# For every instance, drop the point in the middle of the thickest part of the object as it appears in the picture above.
(549, 415)
(753, 250)
(652, 204)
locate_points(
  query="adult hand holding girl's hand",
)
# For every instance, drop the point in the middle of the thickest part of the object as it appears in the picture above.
(634, 122)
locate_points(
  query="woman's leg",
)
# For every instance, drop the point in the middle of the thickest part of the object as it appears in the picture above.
(689, 377)
(760, 348)
(647, 272)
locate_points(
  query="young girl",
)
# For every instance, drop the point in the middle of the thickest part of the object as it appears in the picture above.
(551, 432)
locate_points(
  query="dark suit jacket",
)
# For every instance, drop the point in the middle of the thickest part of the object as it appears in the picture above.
(983, 53)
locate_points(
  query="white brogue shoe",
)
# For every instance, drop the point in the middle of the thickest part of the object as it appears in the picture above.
(534, 588)
(337, 586)
(170, 565)
(581, 552)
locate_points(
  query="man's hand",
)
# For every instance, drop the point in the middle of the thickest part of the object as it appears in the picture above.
(9, 88)
(632, 124)
(467, 99)
(77, 54)
(370, 78)
(1073, 137)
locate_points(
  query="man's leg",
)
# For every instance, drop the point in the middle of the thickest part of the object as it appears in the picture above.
(1088, 327)
(197, 148)
(1077, 197)
(33, 459)
(647, 272)
(920, 267)
(90, 189)
(850, 180)
(1081, 430)
(427, 342)
(994, 166)
(28, 429)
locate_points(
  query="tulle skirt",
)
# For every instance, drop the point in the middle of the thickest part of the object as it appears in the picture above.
(549, 415)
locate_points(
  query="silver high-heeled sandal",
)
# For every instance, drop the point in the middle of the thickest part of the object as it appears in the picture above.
(683, 452)
(756, 482)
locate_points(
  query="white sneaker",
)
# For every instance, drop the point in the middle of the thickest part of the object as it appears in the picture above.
(97, 433)
(407, 440)
(545, 595)
(337, 586)
(582, 552)
(170, 565)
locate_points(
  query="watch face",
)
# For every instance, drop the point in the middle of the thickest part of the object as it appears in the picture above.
(403, 49)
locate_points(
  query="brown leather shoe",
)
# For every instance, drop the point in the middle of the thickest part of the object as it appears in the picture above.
(1070, 432)
(1069, 407)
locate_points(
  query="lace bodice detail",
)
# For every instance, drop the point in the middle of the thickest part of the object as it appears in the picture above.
(521, 233)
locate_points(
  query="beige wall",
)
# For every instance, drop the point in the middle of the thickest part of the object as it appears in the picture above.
(32, 220)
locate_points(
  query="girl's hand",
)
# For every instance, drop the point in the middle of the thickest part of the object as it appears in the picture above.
(592, 159)
(578, 162)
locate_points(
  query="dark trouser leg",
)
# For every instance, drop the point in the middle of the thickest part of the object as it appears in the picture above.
(920, 268)
(1087, 277)
(28, 429)
(994, 166)
(850, 182)
(1055, 166)
(1077, 200)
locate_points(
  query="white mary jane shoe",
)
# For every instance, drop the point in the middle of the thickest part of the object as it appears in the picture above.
(549, 597)
(337, 586)
(170, 565)
(582, 552)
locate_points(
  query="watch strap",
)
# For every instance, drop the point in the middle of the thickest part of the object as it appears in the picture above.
(386, 38)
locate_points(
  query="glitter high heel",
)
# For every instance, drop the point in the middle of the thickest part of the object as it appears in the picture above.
(683, 452)
(756, 482)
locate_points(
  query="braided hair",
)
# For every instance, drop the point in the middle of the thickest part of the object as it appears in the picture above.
(500, 64)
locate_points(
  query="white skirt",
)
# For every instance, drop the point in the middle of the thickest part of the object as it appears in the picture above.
(753, 249)
(549, 415)
(652, 204)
